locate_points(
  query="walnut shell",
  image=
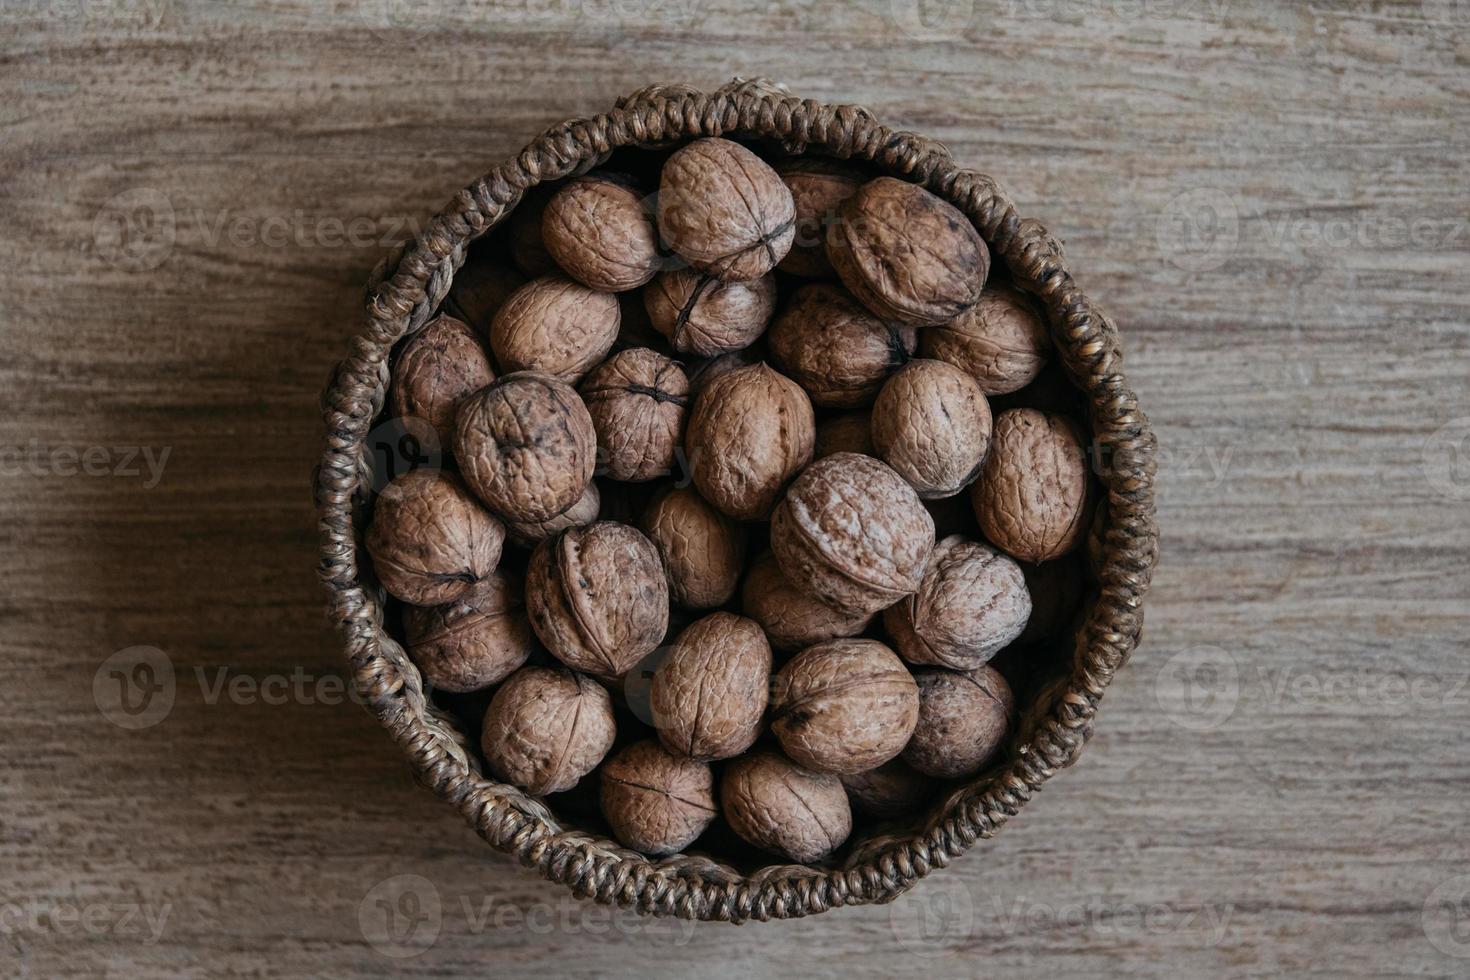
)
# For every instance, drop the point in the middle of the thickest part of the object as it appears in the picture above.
(908, 255)
(600, 230)
(818, 190)
(838, 351)
(703, 550)
(597, 597)
(710, 693)
(844, 706)
(546, 728)
(703, 316)
(475, 640)
(931, 423)
(480, 288)
(555, 326)
(438, 369)
(1031, 498)
(892, 790)
(430, 541)
(971, 604)
(526, 446)
(1001, 341)
(963, 720)
(851, 533)
(850, 432)
(750, 432)
(655, 801)
(637, 399)
(725, 210)
(792, 619)
(709, 369)
(523, 229)
(776, 805)
(588, 507)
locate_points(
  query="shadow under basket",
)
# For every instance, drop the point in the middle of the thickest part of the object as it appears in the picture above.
(1057, 703)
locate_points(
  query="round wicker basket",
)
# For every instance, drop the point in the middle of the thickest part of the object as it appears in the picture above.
(404, 294)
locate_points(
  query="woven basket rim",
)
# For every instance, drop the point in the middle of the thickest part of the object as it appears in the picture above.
(404, 293)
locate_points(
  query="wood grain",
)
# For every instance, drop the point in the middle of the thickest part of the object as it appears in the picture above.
(1280, 781)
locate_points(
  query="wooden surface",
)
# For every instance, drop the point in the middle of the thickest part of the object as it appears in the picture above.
(1280, 780)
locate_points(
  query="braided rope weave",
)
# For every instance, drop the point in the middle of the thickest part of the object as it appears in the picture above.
(405, 291)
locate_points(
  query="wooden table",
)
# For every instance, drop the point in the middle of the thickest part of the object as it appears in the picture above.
(1280, 780)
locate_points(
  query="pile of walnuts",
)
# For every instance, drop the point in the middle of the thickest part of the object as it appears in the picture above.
(724, 522)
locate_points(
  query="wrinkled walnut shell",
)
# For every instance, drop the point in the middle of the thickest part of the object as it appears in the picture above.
(479, 290)
(597, 597)
(971, 604)
(963, 720)
(655, 801)
(838, 351)
(750, 432)
(528, 534)
(1001, 341)
(431, 541)
(555, 326)
(1031, 498)
(526, 446)
(600, 231)
(703, 316)
(844, 706)
(892, 790)
(792, 619)
(725, 210)
(703, 550)
(637, 399)
(546, 728)
(818, 190)
(931, 423)
(851, 533)
(440, 367)
(473, 641)
(850, 432)
(776, 805)
(908, 255)
(710, 693)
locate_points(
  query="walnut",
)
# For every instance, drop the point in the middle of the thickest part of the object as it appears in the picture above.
(844, 706)
(1001, 341)
(546, 728)
(776, 805)
(838, 351)
(655, 801)
(850, 432)
(473, 641)
(703, 316)
(792, 619)
(430, 541)
(1031, 498)
(438, 368)
(710, 693)
(851, 533)
(708, 370)
(526, 446)
(971, 604)
(703, 550)
(818, 189)
(523, 228)
(1056, 589)
(892, 790)
(600, 230)
(637, 399)
(588, 507)
(555, 326)
(480, 288)
(597, 597)
(963, 719)
(750, 432)
(931, 423)
(725, 210)
(908, 255)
